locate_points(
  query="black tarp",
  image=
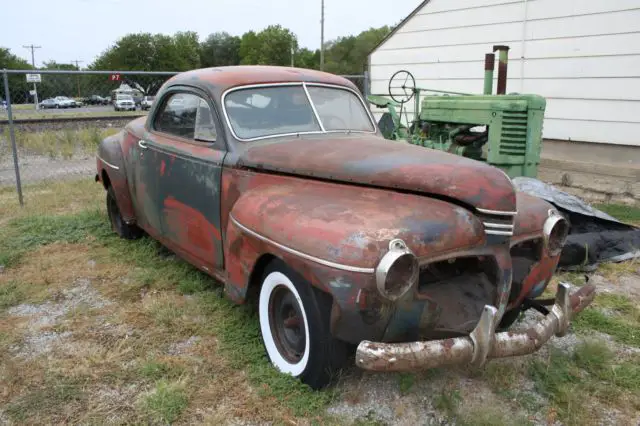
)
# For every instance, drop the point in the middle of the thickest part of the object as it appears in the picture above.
(595, 236)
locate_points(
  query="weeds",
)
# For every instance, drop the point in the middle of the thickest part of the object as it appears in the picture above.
(64, 144)
(11, 294)
(591, 372)
(406, 382)
(166, 402)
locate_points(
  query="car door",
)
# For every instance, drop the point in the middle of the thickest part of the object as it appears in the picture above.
(185, 153)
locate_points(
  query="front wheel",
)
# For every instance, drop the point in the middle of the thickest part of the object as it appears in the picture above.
(294, 321)
(124, 230)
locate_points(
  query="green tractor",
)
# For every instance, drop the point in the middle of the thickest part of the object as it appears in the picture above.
(502, 130)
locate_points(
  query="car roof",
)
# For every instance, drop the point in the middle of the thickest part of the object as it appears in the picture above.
(223, 78)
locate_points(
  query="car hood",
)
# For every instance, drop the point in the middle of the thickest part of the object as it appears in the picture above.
(375, 161)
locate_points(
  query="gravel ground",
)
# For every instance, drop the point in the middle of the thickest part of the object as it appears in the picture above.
(41, 338)
(367, 398)
(36, 168)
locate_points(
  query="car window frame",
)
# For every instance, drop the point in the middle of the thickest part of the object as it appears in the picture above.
(161, 100)
(304, 85)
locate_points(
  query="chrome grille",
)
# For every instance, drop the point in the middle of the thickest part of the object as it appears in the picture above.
(497, 222)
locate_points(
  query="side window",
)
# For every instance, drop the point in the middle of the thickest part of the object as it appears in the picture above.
(187, 116)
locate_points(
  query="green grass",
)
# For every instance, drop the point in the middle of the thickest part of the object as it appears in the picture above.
(29, 232)
(621, 212)
(448, 401)
(166, 402)
(44, 400)
(620, 329)
(406, 382)
(621, 320)
(572, 381)
(11, 294)
(157, 370)
(235, 327)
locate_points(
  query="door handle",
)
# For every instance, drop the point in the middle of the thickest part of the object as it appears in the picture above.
(142, 144)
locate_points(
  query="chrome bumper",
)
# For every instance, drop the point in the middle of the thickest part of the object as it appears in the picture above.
(482, 344)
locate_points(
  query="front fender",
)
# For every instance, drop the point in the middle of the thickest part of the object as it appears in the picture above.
(351, 226)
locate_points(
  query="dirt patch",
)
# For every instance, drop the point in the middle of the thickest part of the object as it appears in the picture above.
(38, 337)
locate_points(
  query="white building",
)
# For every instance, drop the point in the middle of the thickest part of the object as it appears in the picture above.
(582, 55)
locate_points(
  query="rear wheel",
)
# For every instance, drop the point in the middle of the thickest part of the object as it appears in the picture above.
(124, 230)
(294, 321)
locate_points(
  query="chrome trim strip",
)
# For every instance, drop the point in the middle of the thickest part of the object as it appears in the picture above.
(313, 107)
(107, 163)
(496, 212)
(303, 255)
(491, 232)
(303, 84)
(497, 225)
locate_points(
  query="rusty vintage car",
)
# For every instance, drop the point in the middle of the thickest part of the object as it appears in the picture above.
(277, 182)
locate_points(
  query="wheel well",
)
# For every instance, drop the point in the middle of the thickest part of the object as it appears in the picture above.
(255, 279)
(106, 182)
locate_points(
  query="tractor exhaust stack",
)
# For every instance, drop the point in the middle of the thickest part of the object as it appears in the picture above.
(503, 59)
(489, 63)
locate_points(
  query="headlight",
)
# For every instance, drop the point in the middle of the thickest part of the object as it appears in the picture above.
(397, 271)
(554, 233)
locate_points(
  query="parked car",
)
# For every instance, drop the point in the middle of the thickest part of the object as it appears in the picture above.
(78, 102)
(146, 103)
(278, 183)
(49, 103)
(124, 103)
(96, 100)
(65, 102)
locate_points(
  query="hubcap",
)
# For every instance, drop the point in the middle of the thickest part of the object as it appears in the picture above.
(287, 324)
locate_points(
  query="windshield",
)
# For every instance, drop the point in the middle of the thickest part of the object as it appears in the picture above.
(124, 97)
(259, 112)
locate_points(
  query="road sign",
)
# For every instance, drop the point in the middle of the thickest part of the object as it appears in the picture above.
(34, 78)
(114, 77)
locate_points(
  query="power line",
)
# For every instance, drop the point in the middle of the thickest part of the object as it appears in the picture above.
(321, 34)
(77, 62)
(33, 62)
(33, 48)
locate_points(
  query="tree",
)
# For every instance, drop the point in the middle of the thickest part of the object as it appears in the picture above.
(58, 84)
(151, 52)
(17, 82)
(271, 46)
(348, 55)
(306, 58)
(220, 49)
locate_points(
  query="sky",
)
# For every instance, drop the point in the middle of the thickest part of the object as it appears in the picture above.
(70, 30)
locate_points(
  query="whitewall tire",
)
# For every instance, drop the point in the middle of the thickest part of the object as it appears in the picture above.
(295, 325)
(274, 284)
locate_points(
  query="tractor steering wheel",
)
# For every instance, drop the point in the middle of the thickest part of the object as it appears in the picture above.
(404, 81)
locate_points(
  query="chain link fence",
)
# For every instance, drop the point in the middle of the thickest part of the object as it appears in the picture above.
(52, 121)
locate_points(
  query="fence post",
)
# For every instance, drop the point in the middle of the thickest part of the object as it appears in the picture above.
(366, 83)
(12, 135)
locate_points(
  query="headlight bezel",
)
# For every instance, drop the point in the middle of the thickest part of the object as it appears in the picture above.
(554, 220)
(398, 251)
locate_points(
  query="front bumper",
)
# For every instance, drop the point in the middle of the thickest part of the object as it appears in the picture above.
(482, 343)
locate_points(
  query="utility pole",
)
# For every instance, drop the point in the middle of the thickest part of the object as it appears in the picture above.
(77, 62)
(293, 52)
(33, 62)
(321, 35)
